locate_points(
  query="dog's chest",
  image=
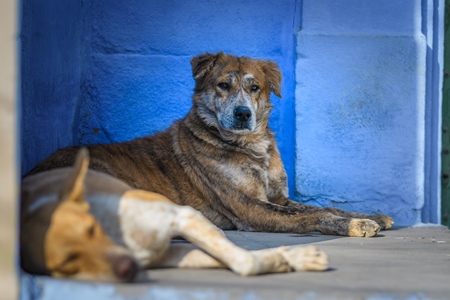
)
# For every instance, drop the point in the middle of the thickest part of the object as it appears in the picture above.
(243, 173)
(244, 177)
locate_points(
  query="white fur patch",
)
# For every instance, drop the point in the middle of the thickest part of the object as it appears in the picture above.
(248, 76)
(147, 228)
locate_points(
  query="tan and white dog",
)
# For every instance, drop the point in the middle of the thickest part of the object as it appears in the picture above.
(83, 224)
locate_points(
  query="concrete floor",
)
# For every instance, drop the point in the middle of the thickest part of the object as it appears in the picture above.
(403, 263)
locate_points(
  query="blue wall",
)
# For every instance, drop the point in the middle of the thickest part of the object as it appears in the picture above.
(134, 76)
(51, 37)
(432, 26)
(360, 107)
(354, 119)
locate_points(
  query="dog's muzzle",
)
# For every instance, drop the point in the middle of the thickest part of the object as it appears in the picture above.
(242, 117)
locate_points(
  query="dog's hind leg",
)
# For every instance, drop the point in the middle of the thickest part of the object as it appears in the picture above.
(195, 228)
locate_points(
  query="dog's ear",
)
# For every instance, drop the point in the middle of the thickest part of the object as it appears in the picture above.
(203, 63)
(73, 188)
(273, 75)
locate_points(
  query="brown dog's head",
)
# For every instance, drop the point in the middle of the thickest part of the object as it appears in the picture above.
(59, 237)
(232, 93)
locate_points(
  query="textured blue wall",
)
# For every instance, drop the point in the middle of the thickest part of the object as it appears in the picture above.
(135, 66)
(360, 107)
(108, 71)
(432, 25)
(51, 60)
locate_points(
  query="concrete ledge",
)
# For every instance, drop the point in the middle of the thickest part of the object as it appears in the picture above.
(402, 263)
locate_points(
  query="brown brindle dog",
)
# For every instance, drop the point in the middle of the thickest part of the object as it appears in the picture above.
(222, 159)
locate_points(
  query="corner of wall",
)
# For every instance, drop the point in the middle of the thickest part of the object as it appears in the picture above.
(360, 107)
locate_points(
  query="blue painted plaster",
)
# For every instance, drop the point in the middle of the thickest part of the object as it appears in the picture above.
(133, 75)
(50, 74)
(381, 17)
(360, 102)
(433, 27)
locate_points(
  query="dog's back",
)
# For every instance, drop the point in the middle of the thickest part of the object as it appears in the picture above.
(147, 163)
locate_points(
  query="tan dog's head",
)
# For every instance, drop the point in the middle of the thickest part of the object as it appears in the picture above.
(232, 93)
(61, 238)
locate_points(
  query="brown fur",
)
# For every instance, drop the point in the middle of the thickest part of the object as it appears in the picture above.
(229, 171)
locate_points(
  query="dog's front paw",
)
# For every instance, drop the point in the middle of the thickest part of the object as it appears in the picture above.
(363, 227)
(384, 221)
(305, 258)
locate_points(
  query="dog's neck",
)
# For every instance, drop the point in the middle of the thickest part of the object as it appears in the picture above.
(255, 144)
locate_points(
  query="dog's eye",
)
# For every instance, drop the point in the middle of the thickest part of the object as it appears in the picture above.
(91, 231)
(224, 86)
(72, 257)
(255, 88)
(69, 259)
(68, 266)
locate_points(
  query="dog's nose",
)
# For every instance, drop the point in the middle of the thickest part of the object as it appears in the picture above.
(242, 113)
(125, 268)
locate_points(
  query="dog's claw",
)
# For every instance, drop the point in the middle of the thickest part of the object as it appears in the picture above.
(363, 228)
(384, 221)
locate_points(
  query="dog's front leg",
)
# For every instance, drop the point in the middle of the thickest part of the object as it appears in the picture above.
(384, 221)
(334, 221)
(197, 229)
(188, 256)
